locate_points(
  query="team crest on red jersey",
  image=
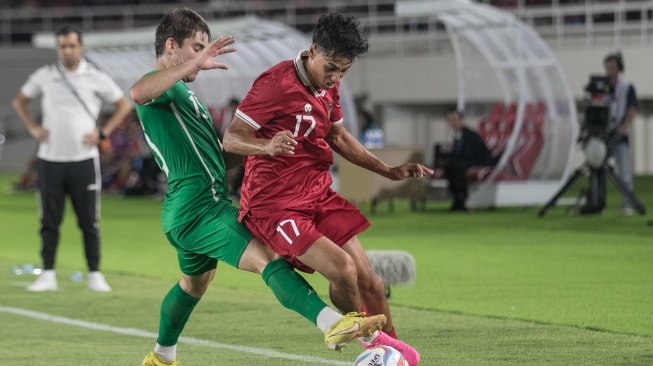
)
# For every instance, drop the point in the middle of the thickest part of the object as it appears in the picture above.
(329, 109)
(308, 108)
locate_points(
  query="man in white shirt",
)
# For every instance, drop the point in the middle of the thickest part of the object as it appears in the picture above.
(72, 92)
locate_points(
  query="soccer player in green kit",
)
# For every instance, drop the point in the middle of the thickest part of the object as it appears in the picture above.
(198, 218)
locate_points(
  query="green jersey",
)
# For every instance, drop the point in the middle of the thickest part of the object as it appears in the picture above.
(180, 133)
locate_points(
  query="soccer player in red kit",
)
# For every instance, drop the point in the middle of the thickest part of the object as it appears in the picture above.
(287, 127)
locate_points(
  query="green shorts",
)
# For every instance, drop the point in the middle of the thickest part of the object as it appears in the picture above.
(215, 235)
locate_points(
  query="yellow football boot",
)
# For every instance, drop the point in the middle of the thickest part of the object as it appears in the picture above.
(153, 360)
(352, 326)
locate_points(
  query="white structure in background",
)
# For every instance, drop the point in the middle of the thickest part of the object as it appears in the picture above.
(502, 62)
(260, 44)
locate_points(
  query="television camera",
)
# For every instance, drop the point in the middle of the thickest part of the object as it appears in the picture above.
(595, 137)
(597, 141)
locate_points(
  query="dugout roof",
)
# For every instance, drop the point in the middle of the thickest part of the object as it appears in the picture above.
(503, 60)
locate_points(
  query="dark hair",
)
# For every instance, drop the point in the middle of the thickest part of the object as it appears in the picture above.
(450, 110)
(617, 58)
(178, 24)
(337, 35)
(234, 102)
(68, 29)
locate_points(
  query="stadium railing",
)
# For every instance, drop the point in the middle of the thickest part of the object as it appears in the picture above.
(561, 23)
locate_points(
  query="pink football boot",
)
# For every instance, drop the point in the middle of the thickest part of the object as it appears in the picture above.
(383, 339)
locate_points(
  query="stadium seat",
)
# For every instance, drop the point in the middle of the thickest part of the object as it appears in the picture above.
(529, 144)
(489, 130)
(494, 129)
(505, 128)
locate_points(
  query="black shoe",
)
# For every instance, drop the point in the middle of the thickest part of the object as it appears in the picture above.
(458, 207)
(590, 210)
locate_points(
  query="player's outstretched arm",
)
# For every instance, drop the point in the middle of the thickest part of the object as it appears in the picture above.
(409, 170)
(150, 86)
(347, 146)
(238, 139)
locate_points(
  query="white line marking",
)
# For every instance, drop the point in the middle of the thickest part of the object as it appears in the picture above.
(144, 334)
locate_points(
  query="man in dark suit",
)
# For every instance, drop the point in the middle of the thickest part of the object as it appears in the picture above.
(467, 150)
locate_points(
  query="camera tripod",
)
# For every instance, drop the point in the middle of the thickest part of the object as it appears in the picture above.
(596, 192)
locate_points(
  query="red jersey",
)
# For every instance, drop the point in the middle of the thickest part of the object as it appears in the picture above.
(282, 98)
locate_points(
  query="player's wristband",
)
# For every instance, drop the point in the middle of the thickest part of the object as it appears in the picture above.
(102, 135)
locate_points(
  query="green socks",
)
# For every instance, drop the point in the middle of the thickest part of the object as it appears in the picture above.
(288, 286)
(175, 311)
(292, 290)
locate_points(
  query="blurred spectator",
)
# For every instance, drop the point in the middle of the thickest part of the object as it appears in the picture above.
(371, 134)
(465, 149)
(222, 117)
(146, 177)
(117, 154)
(28, 177)
(221, 120)
(127, 164)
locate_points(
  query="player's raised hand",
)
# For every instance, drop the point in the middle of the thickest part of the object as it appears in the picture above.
(206, 59)
(282, 143)
(409, 170)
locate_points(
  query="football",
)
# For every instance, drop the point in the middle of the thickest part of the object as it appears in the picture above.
(380, 356)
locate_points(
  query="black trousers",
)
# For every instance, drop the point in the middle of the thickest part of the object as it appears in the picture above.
(457, 180)
(81, 181)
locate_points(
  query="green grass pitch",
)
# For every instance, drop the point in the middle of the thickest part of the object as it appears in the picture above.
(493, 287)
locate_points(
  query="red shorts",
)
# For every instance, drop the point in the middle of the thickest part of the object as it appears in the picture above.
(291, 231)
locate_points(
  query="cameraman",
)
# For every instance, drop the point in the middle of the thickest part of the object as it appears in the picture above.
(622, 104)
